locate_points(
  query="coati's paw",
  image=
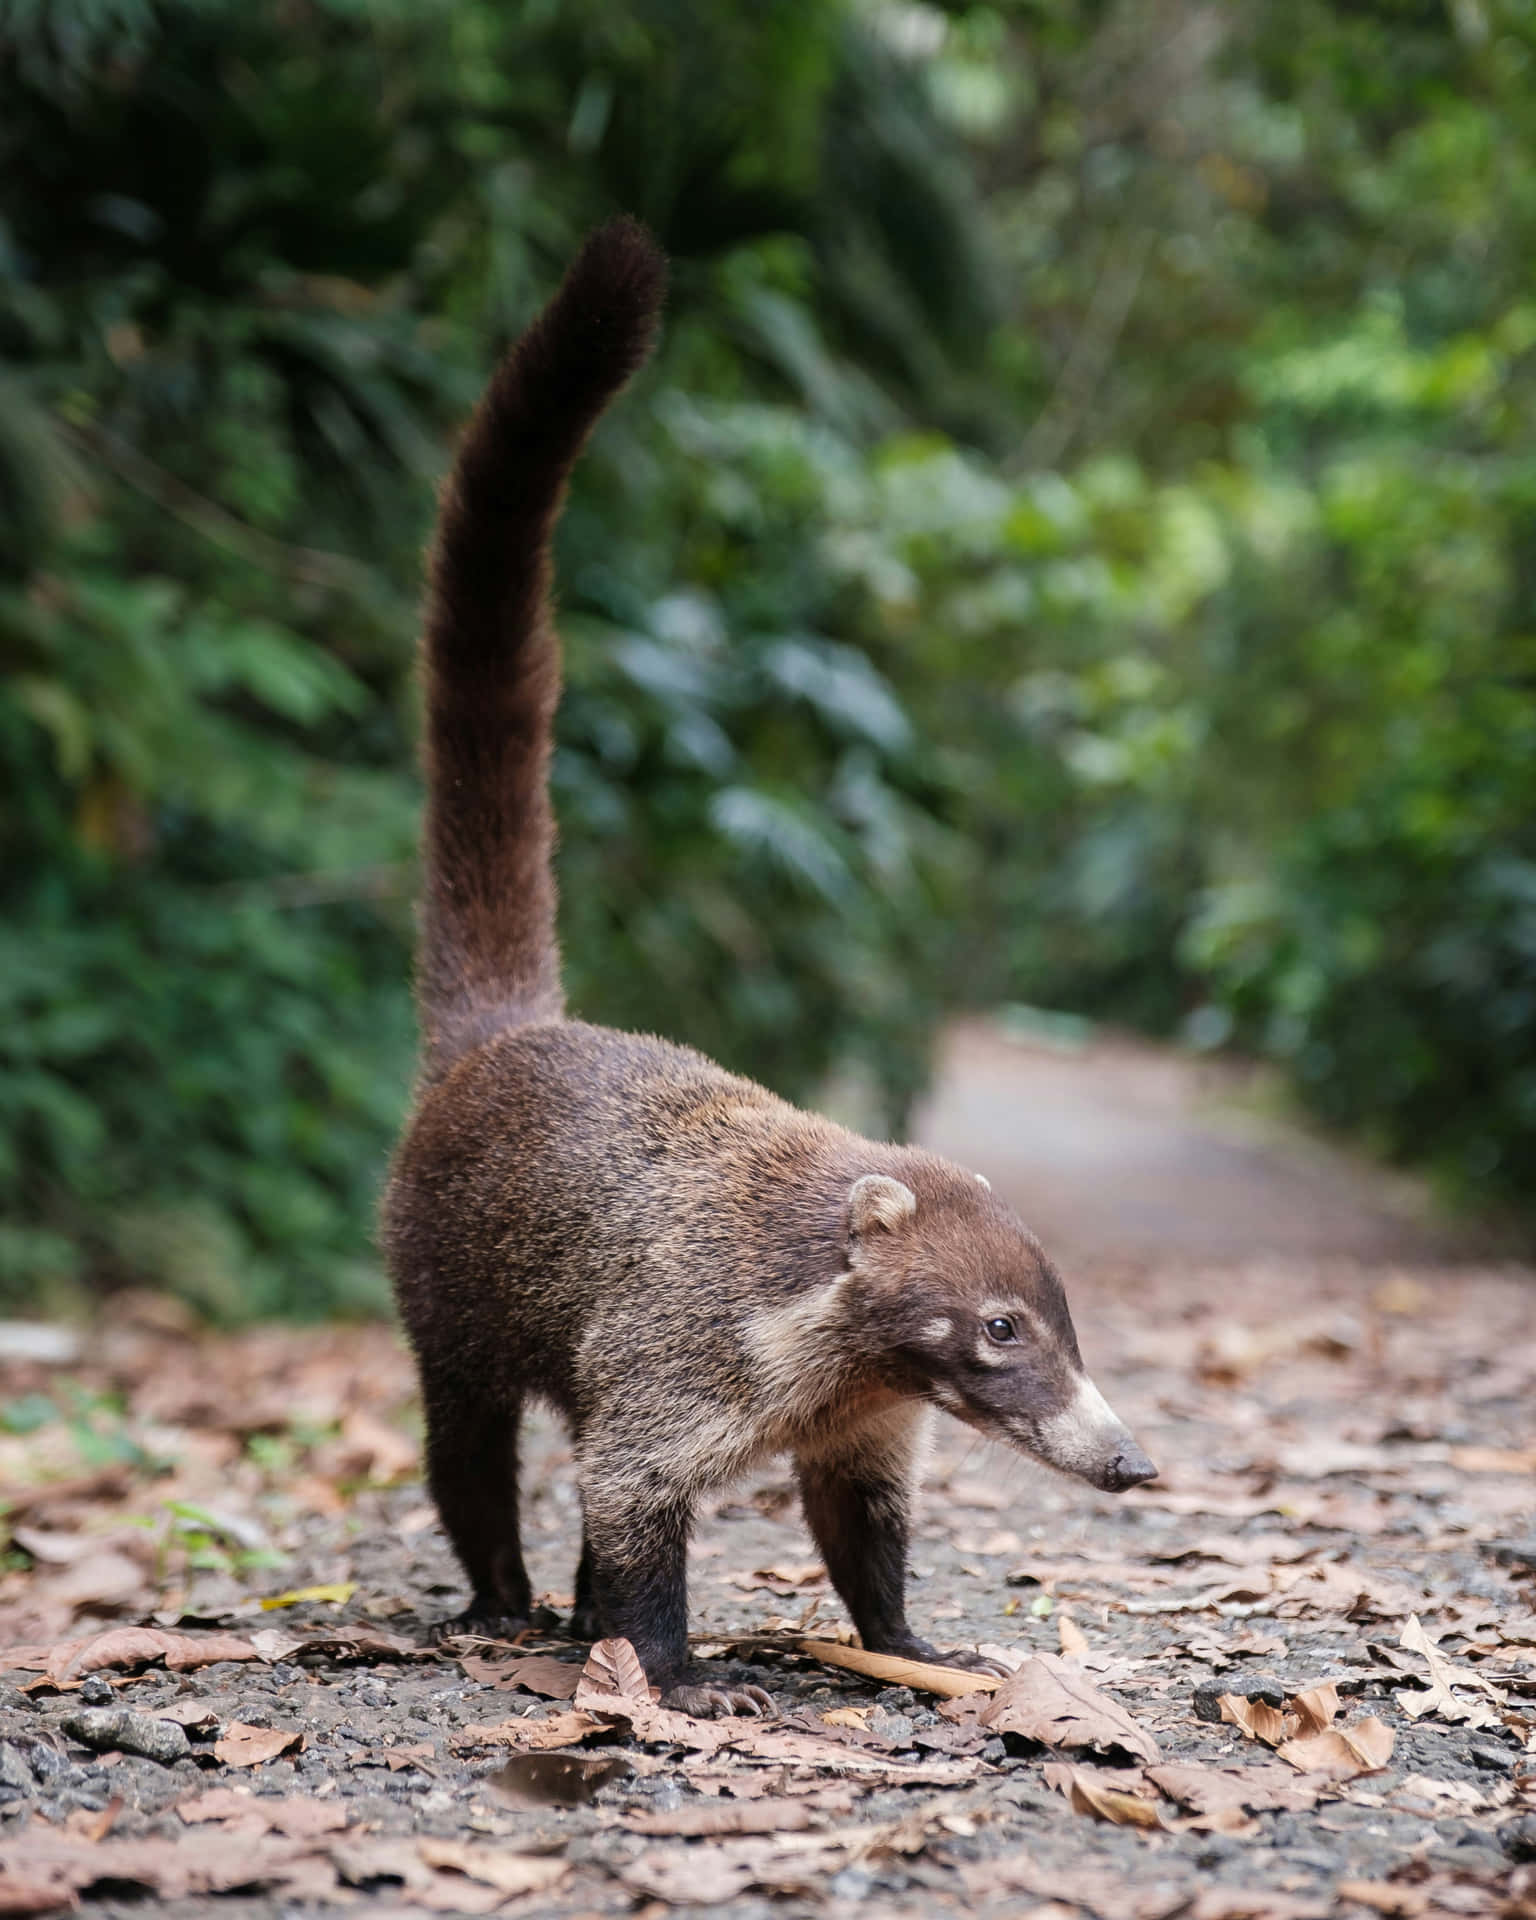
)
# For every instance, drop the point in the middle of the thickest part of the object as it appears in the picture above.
(484, 1622)
(583, 1624)
(970, 1661)
(966, 1658)
(717, 1703)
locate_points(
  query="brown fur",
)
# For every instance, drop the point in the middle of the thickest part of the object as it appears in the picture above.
(693, 1272)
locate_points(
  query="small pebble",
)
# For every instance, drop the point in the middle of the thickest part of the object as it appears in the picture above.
(117, 1729)
(1518, 1837)
(95, 1691)
(14, 1770)
(1207, 1696)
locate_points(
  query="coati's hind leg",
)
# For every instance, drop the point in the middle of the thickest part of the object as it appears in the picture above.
(635, 1558)
(857, 1504)
(472, 1472)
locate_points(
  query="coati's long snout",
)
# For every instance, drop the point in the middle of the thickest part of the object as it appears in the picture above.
(982, 1318)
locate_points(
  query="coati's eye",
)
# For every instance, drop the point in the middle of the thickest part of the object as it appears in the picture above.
(1001, 1330)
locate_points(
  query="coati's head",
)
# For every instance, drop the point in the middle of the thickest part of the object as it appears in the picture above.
(972, 1315)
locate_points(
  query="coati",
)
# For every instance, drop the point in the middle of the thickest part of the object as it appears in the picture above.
(693, 1272)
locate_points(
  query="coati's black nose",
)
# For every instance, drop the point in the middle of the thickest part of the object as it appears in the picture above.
(1129, 1468)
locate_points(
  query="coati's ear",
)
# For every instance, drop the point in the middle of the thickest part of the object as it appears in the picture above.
(877, 1202)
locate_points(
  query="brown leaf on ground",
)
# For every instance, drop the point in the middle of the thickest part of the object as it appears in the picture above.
(790, 1863)
(1088, 1791)
(855, 1717)
(724, 1816)
(1440, 1697)
(1264, 1788)
(168, 1869)
(613, 1667)
(134, 1647)
(1049, 1701)
(1257, 1903)
(243, 1746)
(539, 1673)
(1384, 1897)
(1254, 1719)
(1312, 1710)
(1070, 1637)
(1342, 1752)
(926, 1676)
(362, 1862)
(785, 1578)
(1315, 1708)
(368, 1445)
(129, 1649)
(238, 1810)
(342, 1645)
(529, 1735)
(510, 1873)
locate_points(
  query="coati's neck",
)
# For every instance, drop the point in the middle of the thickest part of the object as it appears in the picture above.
(491, 661)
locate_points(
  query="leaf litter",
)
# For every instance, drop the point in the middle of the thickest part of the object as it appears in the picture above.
(1340, 1551)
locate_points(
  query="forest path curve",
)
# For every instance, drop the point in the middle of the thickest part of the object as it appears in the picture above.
(1119, 1149)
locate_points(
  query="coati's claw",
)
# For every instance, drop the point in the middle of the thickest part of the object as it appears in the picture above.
(970, 1661)
(718, 1703)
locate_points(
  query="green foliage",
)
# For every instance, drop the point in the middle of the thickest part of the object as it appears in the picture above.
(1074, 546)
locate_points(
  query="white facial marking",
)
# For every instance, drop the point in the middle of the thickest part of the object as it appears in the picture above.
(936, 1331)
(989, 1353)
(983, 1181)
(1086, 1431)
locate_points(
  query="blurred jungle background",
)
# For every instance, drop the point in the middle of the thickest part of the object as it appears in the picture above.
(1076, 546)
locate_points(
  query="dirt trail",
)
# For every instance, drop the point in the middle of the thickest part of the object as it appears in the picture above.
(1113, 1148)
(1343, 1537)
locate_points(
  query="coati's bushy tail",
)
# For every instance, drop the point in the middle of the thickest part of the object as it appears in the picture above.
(489, 955)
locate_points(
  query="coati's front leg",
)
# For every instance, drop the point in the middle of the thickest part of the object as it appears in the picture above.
(472, 1471)
(857, 1506)
(635, 1555)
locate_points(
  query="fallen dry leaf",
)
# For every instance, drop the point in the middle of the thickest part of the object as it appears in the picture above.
(539, 1673)
(1439, 1698)
(1087, 1792)
(530, 1735)
(1342, 1752)
(168, 1869)
(343, 1645)
(724, 1816)
(1049, 1701)
(925, 1676)
(856, 1717)
(1263, 1788)
(510, 1873)
(243, 1746)
(369, 1445)
(1315, 1708)
(1384, 1897)
(239, 1810)
(613, 1667)
(1254, 1719)
(129, 1649)
(1071, 1639)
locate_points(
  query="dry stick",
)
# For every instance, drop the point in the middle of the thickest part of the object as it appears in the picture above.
(952, 1682)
